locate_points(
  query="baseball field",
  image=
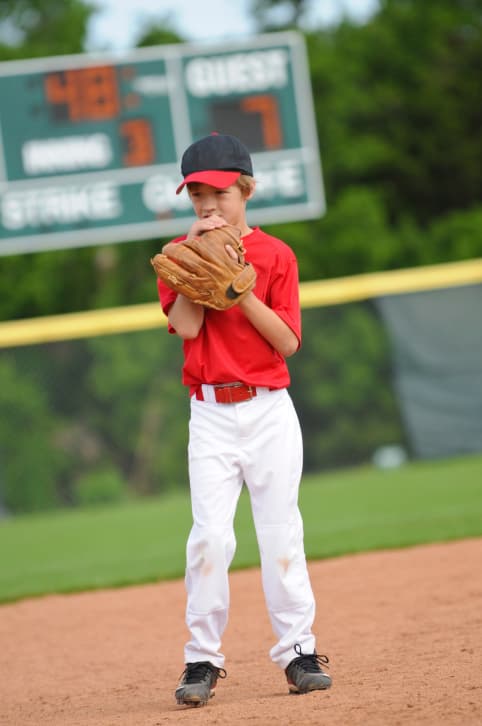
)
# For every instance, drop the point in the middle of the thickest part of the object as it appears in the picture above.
(395, 562)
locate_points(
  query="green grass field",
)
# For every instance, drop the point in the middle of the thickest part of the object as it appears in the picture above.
(144, 540)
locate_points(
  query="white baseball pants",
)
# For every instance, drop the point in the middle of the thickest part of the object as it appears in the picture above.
(258, 442)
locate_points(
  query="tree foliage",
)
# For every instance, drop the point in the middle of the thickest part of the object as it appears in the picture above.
(30, 460)
(36, 28)
(395, 101)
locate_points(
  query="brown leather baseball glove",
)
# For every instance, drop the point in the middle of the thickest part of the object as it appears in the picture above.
(202, 269)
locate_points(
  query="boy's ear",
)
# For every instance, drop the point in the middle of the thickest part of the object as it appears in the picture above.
(250, 190)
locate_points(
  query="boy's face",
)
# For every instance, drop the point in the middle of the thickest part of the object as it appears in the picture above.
(229, 203)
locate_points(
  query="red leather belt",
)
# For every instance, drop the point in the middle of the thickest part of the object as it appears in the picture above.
(230, 392)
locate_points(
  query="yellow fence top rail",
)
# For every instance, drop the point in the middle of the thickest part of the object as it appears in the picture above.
(393, 282)
(318, 293)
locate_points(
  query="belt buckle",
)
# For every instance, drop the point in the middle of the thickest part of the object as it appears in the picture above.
(252, 391)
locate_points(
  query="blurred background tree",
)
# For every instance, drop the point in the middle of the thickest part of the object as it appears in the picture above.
(397, 103)
(37, 28)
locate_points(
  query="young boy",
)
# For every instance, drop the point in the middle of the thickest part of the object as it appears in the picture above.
(243, 428)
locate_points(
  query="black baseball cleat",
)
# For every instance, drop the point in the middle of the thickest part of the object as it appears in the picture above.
(197, 683)
(305, 673)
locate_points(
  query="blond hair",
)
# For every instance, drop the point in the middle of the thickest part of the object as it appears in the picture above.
(245, 183)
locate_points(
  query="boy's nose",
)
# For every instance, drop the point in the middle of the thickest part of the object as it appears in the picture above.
(209, 207)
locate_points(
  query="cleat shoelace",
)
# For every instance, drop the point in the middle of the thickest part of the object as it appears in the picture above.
(196, 672)
(311, 662)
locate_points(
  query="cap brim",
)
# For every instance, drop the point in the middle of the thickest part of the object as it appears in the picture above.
(218, 179)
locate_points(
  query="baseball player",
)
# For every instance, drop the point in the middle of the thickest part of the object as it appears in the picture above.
(243, 427)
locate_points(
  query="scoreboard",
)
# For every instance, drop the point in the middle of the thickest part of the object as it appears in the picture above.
(90, 146)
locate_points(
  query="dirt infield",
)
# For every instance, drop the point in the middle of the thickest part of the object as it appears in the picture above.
(403, 630)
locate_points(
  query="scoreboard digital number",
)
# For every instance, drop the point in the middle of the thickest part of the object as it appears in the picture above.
(92, 94)
(90, 147)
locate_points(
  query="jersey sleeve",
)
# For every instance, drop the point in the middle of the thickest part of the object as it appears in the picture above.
(167, 296)
(285, 294)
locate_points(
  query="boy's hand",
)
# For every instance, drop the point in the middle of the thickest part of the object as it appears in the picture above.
(205, 224)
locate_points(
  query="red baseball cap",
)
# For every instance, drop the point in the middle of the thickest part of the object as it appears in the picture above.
(217, 160)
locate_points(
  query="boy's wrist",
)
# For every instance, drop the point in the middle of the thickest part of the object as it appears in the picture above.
(247, 301)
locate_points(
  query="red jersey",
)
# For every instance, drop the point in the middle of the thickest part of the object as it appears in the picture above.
(228, 348)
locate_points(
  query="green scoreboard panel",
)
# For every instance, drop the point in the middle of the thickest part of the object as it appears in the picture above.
(90, 146)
